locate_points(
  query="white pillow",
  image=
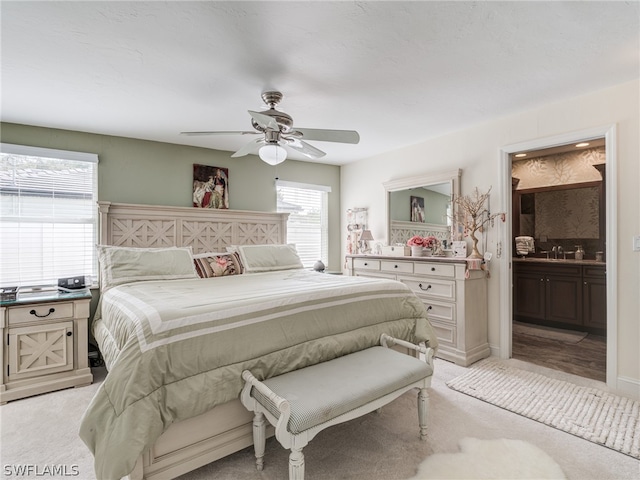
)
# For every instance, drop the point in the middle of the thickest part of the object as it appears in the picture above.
(267, 258)
(120, 265)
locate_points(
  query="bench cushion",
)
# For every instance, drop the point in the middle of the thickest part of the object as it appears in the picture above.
(327, 390)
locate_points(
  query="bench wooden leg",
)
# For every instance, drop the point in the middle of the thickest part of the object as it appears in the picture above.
(259, 438)
(296, 464)
(423, 406)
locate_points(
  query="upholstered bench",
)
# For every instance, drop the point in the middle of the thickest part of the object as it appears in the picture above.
(301, 403)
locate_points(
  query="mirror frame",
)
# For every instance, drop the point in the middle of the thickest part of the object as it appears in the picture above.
(452, 176)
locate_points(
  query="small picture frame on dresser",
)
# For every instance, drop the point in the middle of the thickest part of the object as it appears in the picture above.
(459, 249)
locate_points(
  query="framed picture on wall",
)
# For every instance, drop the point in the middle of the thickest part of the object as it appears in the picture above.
(210, 186)
(417, 209)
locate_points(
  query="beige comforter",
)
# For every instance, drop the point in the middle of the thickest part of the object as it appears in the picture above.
(177, 348)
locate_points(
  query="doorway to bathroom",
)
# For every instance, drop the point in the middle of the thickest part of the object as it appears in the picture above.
(556, 312)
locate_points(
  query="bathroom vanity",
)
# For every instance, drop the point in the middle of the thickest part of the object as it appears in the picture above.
(569, 294)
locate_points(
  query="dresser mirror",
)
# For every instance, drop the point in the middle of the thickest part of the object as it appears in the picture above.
(421, 205)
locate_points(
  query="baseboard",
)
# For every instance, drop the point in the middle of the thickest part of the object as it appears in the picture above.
(629, 387)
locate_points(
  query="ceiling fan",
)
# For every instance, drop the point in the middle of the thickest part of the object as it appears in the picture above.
(279, 137)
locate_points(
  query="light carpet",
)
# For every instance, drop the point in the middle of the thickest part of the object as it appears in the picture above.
(595, 415)
(560, 335)
(491, 459)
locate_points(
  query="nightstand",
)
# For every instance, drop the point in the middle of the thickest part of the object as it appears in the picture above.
(44, 343)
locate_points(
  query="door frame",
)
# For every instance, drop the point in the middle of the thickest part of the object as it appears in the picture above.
(506, 271)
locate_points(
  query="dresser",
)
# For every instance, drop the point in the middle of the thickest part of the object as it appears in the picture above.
(44, 344)
(456, 299)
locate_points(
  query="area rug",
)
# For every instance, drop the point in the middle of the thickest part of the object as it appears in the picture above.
(595, 415)
(496, 459)
(566, 336)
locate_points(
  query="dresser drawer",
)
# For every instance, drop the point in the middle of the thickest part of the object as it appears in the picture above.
(438, 269)
(432, 288)
(366, 264)
(445, 333)
(39, 312)
(442, 312)
(396, 267)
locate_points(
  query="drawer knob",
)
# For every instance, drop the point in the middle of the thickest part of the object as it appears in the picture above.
(433, 269)
(422, 288)
(69, 334)
(365, 264)
(395, 266)
(51, 310)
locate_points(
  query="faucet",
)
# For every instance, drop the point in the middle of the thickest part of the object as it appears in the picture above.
(557, 250)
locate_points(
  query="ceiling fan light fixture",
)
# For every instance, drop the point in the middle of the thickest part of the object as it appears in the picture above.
(272, 153)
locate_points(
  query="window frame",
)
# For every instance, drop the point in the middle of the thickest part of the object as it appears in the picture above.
(324, 226)
(67, 155)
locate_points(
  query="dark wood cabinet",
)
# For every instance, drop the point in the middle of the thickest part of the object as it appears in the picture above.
(564, 299)
(594, 297)
(560, 295)
(529, 295)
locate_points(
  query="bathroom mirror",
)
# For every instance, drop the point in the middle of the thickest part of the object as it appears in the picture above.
(421, 205)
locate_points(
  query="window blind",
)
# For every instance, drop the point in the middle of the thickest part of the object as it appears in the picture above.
(48, 215)
(307, 226)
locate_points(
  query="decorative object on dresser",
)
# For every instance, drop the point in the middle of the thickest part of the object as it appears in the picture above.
(356, 225)
(455, 298)
(210, 187)
(365, 238)
(44, 343)
(474, 216)
(395, 250)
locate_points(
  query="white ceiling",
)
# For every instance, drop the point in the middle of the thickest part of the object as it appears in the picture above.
(397, 72)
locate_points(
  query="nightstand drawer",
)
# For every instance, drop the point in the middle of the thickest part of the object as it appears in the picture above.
(366, 264)
(399, 267)
(38, 312)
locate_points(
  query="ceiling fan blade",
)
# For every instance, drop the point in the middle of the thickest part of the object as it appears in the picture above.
(194, 134)
(339, 136)
(265, 121)
(251, 147)
(304, 148)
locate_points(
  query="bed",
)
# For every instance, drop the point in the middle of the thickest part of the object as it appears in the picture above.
(175, 344)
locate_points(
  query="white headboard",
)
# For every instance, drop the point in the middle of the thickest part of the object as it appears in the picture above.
(203, 229)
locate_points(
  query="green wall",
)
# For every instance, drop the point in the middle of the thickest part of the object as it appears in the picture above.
(155, 173)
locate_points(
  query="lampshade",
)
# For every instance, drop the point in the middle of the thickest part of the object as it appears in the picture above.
(366, 235)
(272, 153)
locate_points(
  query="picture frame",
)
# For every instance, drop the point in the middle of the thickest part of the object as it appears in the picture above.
(417, 209)
(210, 187)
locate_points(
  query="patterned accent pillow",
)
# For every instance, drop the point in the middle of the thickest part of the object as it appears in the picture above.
(217, 264)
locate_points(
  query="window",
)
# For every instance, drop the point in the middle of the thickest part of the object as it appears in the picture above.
(48, 215)
(308, 221)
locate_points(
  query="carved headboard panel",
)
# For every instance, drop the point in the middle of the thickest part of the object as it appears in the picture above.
(203, 229)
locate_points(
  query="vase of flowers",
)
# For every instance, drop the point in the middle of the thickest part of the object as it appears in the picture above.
(423, 245)
(417, 245)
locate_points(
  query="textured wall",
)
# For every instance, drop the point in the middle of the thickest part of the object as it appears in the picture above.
(570, 213)
(559, 169)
